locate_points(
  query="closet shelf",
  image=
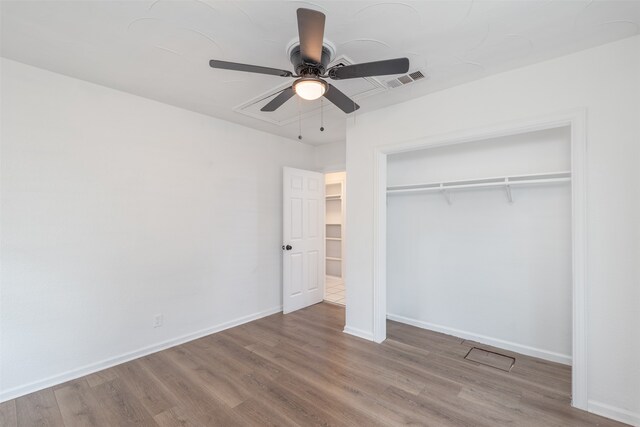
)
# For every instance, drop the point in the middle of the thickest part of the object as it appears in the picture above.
(331, 258)
(333, 196)
(333, 223)
(333, 238)
(504, 181)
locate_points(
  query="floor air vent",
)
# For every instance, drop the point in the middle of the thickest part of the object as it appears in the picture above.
(406, 79)
(490, 358)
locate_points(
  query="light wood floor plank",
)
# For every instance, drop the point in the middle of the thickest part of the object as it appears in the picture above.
(210, 376)
(191, 396)
(78, 405)
(153, 395)
(256, 413)
(101, 377)
(120, 407)
(38, 409)
(8, 416)
(177, 417)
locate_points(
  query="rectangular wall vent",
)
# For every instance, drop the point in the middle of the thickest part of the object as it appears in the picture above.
(406, 79)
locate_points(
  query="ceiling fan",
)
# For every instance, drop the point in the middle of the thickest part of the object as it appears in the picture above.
(310, 59)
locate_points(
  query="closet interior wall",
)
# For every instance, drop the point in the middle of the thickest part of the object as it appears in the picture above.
(473, 264)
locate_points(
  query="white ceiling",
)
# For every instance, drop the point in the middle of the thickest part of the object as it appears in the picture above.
(159, 49)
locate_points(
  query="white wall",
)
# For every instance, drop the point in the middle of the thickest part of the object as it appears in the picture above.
(528, 153)
(330, 157)
(482, 268)
(116, 208)
(605, 80)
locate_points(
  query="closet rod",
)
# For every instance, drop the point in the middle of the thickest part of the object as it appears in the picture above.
(504, 181)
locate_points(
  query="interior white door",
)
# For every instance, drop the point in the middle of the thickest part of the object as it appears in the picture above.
(303, 239)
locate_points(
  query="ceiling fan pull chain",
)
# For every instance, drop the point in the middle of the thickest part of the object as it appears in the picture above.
(299, 120)
(321, 115)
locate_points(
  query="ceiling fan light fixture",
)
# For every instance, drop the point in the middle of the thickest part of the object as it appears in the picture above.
(309, 88)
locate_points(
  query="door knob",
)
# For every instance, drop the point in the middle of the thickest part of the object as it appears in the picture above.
(288, 247)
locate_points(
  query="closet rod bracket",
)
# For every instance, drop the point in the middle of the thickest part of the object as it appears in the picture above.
(507, 188)
(445, 194)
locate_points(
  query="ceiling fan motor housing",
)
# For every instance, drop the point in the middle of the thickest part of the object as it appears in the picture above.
(309, 68)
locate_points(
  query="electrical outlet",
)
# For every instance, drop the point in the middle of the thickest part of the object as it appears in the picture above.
(157, 321)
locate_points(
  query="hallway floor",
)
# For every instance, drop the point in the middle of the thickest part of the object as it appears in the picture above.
(334, 290)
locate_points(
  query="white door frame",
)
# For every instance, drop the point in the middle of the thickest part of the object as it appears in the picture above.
(576, 120)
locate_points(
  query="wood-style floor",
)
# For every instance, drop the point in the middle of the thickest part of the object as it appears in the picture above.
(301, 369)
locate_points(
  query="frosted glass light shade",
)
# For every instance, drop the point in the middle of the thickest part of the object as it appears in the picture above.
(310, 89)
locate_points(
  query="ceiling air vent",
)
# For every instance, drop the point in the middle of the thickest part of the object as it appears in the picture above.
(394, 83)
(406, 79)
(416, 75)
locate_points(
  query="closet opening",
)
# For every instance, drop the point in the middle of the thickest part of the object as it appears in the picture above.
(335, 204)
(479, 241)
(481, 235)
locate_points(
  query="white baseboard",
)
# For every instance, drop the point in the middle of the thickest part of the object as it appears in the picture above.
(494, 342)
(22, 390)
(618, 414)
(358, 333)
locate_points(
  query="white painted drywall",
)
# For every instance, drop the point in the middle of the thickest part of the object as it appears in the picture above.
(529, 153)
(116, 208)
(606, 81)
(493, 271)
(330, 157)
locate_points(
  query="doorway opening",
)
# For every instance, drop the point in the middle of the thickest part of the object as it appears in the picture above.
(335, 204)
